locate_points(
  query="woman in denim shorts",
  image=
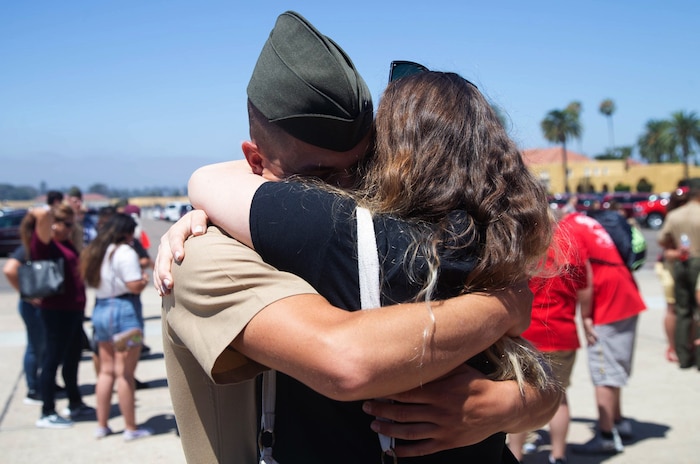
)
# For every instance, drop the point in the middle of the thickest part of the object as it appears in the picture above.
(111, 266)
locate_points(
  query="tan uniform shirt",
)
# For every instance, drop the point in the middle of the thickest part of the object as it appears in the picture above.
(219, 287)
(684, 220)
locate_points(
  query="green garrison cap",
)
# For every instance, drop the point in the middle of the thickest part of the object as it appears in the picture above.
(304, 83)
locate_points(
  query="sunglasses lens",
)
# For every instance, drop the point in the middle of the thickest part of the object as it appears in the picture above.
(401, 69)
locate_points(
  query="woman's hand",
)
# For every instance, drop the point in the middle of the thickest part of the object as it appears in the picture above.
(172, 248)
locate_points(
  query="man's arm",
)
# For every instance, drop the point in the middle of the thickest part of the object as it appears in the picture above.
(461, 409)
(224, 292)
(363, 354)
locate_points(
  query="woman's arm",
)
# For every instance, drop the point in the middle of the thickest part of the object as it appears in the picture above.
(44, 220)
(11, 271)
(137, 286)
(128, 268)
(225, 192)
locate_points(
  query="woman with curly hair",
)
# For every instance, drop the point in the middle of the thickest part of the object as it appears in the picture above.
(454, 210)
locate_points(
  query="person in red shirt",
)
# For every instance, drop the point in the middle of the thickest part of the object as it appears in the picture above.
(610, 325)
(566, 281)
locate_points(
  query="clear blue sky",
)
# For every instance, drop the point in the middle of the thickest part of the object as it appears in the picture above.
(138, 93)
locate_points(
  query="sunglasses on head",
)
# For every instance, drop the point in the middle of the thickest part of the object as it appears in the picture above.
(400, 68)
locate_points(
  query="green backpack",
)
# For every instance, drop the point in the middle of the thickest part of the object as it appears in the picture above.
(639, 249)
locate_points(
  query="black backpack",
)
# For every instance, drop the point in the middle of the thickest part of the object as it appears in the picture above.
(621, 233)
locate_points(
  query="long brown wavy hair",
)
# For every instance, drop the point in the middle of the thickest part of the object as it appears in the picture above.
(118, 229)
(441, 148)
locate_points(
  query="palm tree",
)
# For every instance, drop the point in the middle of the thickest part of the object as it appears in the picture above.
(655, 143)
(607, 108)
(684, 130)
(575, 108)
(560, 125)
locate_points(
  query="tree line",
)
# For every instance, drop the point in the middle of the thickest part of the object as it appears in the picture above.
(670, 140)
(23, 192)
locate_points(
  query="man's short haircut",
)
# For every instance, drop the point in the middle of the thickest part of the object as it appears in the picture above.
(306, 84)
(53, 196)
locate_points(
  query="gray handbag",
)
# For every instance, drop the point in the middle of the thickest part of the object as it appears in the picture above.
(41, 278)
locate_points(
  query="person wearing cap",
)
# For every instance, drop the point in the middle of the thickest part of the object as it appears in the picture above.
(680, 238)
(197, 349)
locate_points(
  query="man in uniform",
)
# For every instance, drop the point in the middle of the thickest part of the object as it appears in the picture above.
(311, 114)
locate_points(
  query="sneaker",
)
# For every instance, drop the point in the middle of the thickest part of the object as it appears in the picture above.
(136, 434)
(78, 410)
(556, 461)
(101, 432)
(33, 398)
(532, 441)
(54, 421)
(624, 428)
(600, 445)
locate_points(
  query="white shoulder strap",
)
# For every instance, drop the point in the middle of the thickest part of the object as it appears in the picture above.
(266, 438)
(367, 260)
(368, 266)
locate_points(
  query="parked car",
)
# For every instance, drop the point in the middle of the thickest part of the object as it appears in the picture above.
(652, 212)
(9, 230)
(625, 199)
(174, 211)
(584, 201)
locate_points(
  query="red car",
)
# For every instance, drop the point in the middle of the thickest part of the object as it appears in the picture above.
(651, 213)
(626, 201)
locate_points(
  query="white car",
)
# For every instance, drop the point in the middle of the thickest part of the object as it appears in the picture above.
(174, 211)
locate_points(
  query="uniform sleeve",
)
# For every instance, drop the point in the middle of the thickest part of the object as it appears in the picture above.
(219, 287)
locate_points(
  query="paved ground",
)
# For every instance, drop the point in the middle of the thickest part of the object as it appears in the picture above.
(661, 399)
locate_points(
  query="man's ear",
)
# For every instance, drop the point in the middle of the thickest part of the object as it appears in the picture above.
(253, 156)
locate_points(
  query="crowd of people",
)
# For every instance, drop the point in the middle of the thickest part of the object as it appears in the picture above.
(397, 280)
(609, 309)
(105, 256)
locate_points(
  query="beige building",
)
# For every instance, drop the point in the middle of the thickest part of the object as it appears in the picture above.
(586, 174)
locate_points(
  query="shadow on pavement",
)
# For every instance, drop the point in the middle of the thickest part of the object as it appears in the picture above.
(162, 424)
(642, 431)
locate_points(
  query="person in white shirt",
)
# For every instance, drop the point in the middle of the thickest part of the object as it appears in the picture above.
(111, 266)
